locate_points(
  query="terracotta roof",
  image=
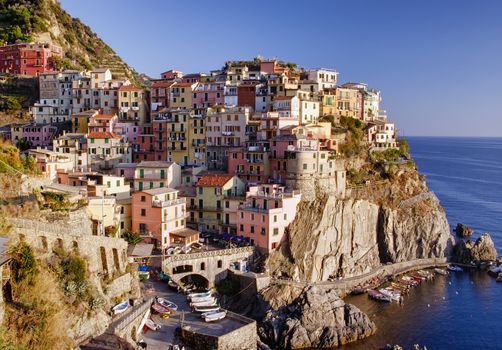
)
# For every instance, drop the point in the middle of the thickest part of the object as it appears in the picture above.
(104, 116)
(129, 88)
(184, 84)
(164, 84)
(184, 232)
(214, 180)
(279, 98)
(102, 135)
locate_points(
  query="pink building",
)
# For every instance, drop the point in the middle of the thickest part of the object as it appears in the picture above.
(250, 164)
(102, 123)
(129, 131)
(39, 134)
(209, 94)
(268, 210)
(171, 74)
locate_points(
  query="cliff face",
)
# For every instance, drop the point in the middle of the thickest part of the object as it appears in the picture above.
(392, 221)
(315, 317)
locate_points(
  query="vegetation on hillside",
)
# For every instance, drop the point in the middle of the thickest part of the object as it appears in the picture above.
(12, 162)
(28, 20)
(131, 237)
(10, 104)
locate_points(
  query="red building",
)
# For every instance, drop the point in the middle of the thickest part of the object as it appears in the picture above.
(246, 93)
(29, 58)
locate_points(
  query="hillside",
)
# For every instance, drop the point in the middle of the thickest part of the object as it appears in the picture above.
(46, 21)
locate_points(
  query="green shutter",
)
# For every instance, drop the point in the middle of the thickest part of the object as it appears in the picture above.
(141, 173)
(162, 174)
(140, 186)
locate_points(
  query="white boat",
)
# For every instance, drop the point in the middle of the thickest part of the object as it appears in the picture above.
(152, 325)
(455, 268)
(215, 316)
(441, 271)
(204, 303)
(166, 303)
(202, 309)
(120, 308)
(196, 300)
(199, 295)
(390, 294)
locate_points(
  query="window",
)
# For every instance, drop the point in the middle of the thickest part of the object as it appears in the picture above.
(143, 212)
(285, 216)
(304, 166)
(220, 264)
(252, 228)
(143, 198)
(108, 184)
(275, 218)
(276, 231)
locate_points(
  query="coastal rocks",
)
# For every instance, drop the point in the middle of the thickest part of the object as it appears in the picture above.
(397, 347)
(482, 249)
(333, 237)
(463, 231)
(316, 318)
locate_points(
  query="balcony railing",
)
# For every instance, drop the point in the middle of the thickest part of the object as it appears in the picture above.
(162, 204)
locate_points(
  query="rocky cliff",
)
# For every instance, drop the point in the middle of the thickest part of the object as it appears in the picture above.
(387, 221)
(312, 317)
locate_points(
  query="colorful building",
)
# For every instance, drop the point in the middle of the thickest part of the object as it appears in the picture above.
(30, 59)
(156, 174)
(268, 210)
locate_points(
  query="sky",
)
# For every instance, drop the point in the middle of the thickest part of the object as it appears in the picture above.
(438, 63)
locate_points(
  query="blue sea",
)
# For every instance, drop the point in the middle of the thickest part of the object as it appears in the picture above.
(462, 310)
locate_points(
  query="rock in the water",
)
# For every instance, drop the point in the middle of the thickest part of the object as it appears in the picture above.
(317, 318)
(482, 249)
(398, 347)
(463, 230)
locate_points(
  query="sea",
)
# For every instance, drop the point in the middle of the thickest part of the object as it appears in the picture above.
(462, 310)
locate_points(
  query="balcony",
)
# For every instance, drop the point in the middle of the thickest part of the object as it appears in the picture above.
(163, 204)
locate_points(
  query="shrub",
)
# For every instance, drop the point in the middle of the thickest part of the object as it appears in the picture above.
(10, 104)
(23, 263)
(132, 237)
(75, 269)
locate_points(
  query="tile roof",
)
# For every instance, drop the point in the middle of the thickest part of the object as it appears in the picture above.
(164, 84)
(214, 180)
(184, 84)
(279, 98)
(130, 88)
(104, 116)
(184, 232)
(154, 164)
(102, 135)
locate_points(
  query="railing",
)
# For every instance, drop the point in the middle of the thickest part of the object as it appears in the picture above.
(209, 253)
(161, 204)
(124, 321)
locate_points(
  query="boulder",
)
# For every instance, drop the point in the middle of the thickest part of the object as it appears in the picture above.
(463, 230)
(482, 249)
(317, 318)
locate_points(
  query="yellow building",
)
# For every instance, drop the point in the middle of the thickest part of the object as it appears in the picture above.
(132, 103)
(80, 121)
(209, 201)
(185, 136)
(328, 103)
(182, 94)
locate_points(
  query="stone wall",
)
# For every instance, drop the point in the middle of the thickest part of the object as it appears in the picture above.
(243, 338)
(212, 265)
(309, 185)
(104, 255)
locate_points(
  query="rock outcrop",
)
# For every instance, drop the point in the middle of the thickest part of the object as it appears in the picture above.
(482, 249)
(343, 237)
(463, 230)
(316, 318)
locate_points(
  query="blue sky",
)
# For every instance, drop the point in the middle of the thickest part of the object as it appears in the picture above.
(437, 62)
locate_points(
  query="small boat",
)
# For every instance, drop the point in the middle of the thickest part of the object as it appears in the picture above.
(120, 308)
(211, 317)
(455, 268)
(373, 294)
(204, 303)
(441, 271)
(173, 285)
(393, 295)
(202, 309)
(199, 295)
(164, 311)
(152, 325)
(169, 304)
(196, 300)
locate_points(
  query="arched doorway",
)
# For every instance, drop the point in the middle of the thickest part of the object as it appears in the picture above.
(195, 280)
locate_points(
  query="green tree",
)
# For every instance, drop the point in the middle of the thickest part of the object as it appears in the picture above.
(24, 144)
(131, 237)
(10, 104)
